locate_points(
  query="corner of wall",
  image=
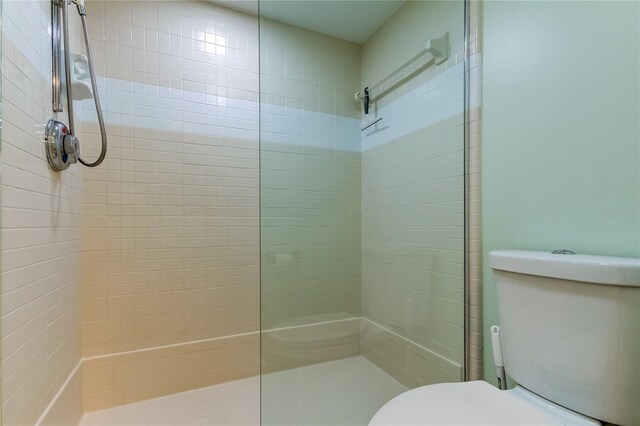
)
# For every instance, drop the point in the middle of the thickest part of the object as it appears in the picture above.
(66, 408)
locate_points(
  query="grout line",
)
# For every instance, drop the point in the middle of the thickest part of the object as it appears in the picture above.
(312, 324)
(231, 336)
(62, 389)
(174, 345)
(80, 363)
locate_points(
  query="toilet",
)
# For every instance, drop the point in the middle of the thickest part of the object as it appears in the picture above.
(570, 332)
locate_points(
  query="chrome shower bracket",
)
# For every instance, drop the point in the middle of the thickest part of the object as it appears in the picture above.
(61, 144)
(56, 44)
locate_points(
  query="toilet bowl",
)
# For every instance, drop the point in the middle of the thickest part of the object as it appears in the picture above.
(474, 403)
(569, 332)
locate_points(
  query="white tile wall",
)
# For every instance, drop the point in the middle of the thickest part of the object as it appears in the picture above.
(310, 176)
(413, 186)
(307, 84)
(41, 235)
(436, 100)
(404, 35)
(171, 218)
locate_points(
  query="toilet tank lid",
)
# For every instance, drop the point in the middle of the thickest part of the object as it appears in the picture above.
(623, 271)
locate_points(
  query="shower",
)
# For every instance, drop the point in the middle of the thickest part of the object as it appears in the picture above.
(295, 221)
(61, 142)
(247, 245)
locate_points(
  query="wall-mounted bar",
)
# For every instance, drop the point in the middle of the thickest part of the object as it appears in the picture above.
(437, 47)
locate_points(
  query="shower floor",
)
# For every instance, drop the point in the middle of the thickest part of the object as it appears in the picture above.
(343, 392)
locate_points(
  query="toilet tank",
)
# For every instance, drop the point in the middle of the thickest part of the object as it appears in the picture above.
(570, 329)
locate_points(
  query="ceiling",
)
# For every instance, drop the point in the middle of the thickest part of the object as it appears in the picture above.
(353, 20)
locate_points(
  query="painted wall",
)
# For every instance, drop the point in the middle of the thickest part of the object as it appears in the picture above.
(41, 234)
(561, 158)
(413, 200)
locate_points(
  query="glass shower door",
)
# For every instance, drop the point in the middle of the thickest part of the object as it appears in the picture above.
(362, 215)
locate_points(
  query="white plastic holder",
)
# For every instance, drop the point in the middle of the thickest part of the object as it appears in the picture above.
(80, 77)
(498, 359)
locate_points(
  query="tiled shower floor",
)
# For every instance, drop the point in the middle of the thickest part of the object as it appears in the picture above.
(344, 392)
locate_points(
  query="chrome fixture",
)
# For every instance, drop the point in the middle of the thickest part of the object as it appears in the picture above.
(62, 147)
(61, 143)
(56, 40)
(439, 50)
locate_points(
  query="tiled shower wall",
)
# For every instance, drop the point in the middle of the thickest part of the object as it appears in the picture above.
(41, 234)
(170, 247)
(171, 218)
(413, 200)
(310, 176)
(310, 197)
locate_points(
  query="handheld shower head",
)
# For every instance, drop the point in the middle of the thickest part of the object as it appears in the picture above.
(81, 7)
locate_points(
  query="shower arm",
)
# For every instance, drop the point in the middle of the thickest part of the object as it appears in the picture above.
(438, 48)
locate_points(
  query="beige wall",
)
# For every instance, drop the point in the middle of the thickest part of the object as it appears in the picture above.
(41, 235)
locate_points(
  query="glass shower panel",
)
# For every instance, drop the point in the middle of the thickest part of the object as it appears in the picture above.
(171, 240)
(362, 215)
(310, 204)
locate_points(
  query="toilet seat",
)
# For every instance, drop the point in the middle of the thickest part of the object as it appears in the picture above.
(474, 403)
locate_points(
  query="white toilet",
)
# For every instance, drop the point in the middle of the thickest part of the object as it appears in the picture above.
(570, 327)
